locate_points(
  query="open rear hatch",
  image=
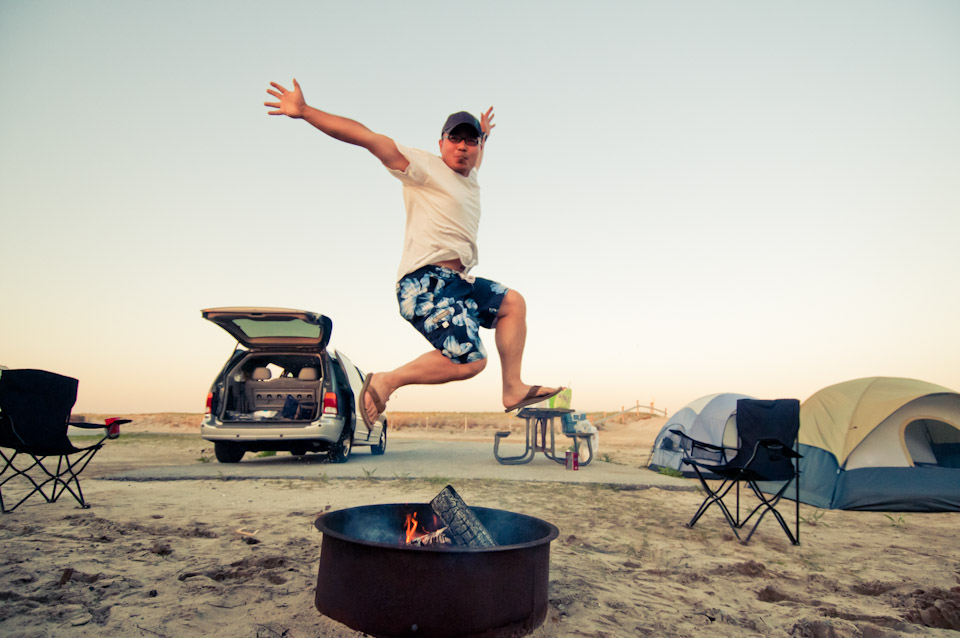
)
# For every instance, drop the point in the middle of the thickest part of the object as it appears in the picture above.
(281, 378)
(273, 328)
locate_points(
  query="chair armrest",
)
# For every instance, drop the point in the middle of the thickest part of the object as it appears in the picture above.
(93, 426)
(86, 425)
(702, 444)
(781, 447)
(112, 426)
(691, 446)
(706, 453)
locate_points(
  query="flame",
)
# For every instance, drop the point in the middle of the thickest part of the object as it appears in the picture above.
(411, 527)
(417, 534)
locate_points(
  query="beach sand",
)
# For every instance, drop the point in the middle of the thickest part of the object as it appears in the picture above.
(240, 558)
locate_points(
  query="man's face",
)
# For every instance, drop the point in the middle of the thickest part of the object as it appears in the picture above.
(460, 156)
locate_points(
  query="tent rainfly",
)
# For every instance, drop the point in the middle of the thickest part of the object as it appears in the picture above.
(881, 443)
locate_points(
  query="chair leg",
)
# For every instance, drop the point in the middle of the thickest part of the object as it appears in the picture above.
(15, 472)
(6, 466)
(770, 505)
(65, 468)
(783, 525)
(796, 499)
(73, 469)
(739, 524)
(716, 497)
(67, 472)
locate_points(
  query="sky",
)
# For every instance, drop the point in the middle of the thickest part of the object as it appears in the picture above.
(693, 197)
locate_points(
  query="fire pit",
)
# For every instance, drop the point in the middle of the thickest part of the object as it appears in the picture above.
(373, 580)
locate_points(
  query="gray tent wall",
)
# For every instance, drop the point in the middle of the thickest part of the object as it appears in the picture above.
(704, 419)
(667, 452)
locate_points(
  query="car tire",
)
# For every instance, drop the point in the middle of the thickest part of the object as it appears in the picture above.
(340, 451)
(227, 452)
(381, 445)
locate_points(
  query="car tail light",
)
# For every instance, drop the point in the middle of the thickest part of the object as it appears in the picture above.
(330, 403)
(209, 403)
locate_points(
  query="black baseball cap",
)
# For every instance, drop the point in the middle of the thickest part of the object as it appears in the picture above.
(459, 118)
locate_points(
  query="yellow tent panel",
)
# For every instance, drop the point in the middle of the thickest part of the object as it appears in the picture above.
(839, 417)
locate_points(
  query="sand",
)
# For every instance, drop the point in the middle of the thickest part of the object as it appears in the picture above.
(239, 558)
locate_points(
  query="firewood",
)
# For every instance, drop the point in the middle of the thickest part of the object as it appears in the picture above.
(464, 528)
(433, 538)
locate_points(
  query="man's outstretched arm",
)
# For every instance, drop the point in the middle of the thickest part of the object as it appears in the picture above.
(486, 127)
(292, 104)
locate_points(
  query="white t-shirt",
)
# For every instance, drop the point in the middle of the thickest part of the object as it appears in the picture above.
(443, 212)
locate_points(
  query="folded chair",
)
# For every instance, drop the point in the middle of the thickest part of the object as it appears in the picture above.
(767, 434)
(35, 410)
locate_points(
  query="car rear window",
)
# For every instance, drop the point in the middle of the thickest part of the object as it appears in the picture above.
(256, 328)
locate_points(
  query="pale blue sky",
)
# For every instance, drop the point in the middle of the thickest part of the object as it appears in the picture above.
(694, 197)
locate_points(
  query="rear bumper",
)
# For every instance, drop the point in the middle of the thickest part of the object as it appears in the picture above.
(326, 429)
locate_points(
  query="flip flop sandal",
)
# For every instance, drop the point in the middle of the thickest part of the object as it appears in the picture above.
(380, 405)
(532, 397)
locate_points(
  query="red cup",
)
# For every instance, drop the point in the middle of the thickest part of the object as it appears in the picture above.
(113, 429)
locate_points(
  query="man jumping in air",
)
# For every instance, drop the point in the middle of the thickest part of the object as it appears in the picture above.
(435, 292)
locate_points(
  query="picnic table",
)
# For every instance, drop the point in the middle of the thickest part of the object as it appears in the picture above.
(540, 421)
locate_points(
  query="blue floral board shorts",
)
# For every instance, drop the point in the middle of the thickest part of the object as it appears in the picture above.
(449, 310)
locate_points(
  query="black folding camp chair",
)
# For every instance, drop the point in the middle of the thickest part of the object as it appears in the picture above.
(35, 410)
(767, 433)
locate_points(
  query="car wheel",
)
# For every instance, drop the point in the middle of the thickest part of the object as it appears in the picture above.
(227, 452)
(381, 445)
(340, 452)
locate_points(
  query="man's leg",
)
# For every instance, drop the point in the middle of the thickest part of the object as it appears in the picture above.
(511, 336)
(432, 299)
(428, 369)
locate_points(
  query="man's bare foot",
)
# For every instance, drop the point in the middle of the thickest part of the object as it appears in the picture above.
(527, 395)
(373, 405)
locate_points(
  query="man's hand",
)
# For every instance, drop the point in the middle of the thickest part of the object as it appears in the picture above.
(291, 103)
(486, 126)
(486, 122)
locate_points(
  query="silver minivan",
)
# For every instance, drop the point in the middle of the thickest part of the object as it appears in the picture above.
(282, 390)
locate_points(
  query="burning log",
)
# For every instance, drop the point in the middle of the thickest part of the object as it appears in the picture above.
(463, 526)
(460, 526)
(432, 538)
(417, 535)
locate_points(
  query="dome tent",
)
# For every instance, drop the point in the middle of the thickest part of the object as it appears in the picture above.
(705, 419)
(881, 443)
